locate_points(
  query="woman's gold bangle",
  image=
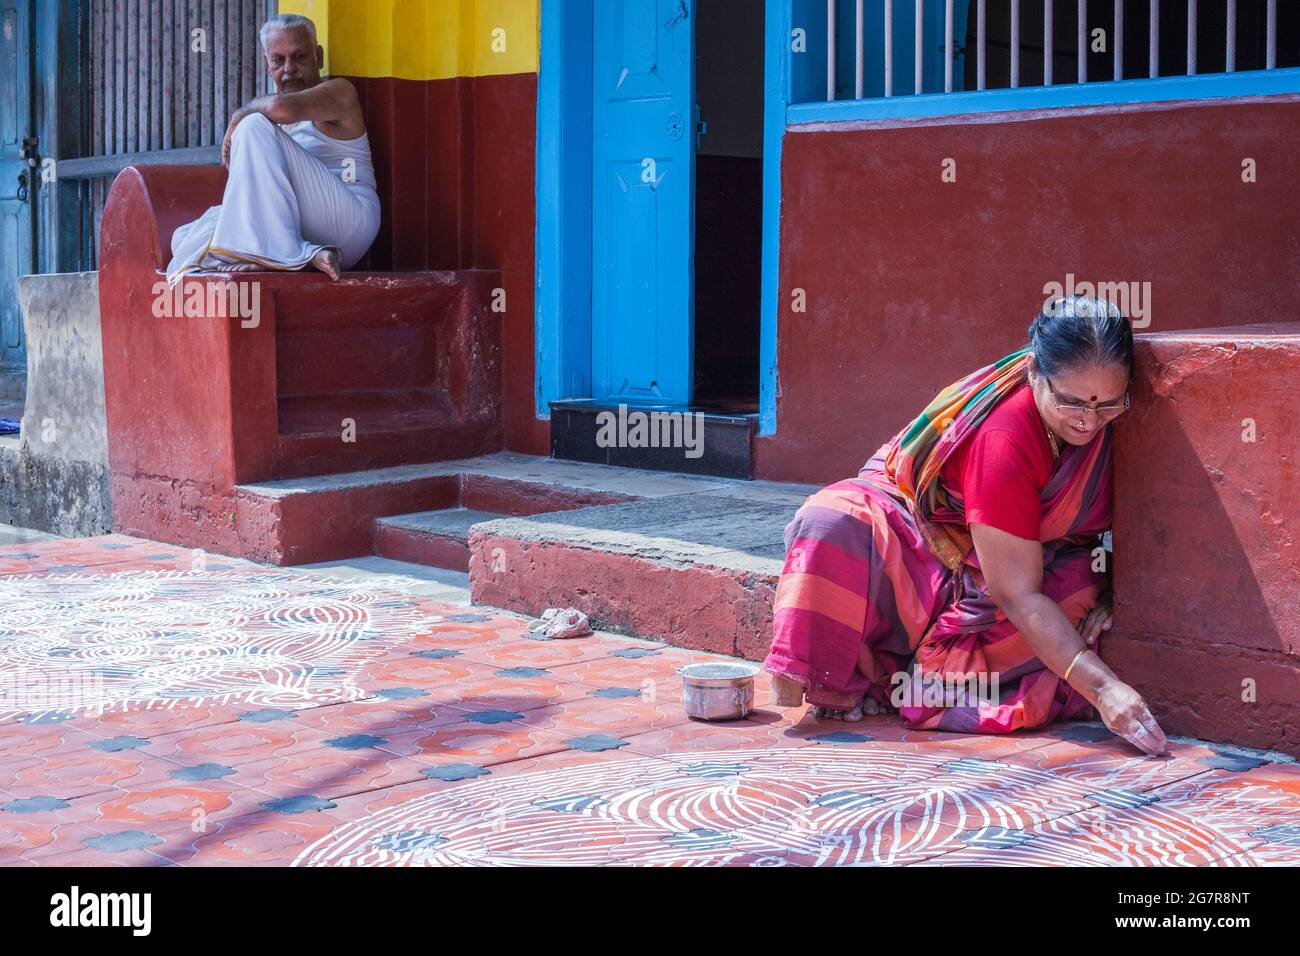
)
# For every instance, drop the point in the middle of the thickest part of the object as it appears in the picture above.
(1066, 676)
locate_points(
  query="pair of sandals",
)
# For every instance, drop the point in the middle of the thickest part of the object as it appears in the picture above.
(558, 623)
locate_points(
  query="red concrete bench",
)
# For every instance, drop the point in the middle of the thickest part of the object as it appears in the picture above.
(198, 404)
(1207, 534)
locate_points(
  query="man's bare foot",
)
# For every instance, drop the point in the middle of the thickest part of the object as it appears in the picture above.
(327, 261)
(869, 707)
(237, 267)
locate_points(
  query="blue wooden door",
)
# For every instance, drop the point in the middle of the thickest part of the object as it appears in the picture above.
(643, 142)
(17, 242)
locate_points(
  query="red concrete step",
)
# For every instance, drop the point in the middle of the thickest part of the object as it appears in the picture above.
(1207, 534)
(697, 569)
(438, 539)
(389, 409)
(327, 517)
(381, 343)
(387, 428)
(413, 373)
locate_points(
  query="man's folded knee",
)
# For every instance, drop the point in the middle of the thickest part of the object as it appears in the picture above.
(255, 124)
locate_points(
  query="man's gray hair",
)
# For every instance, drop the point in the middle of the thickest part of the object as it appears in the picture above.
(287, 21)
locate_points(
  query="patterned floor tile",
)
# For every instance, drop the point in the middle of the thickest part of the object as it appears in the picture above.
(77, 774)
(30, 826)
(595, 717)
(507, 727)
(214, 712)
(235, 743)
(21, 739)
(179, 821)
(267, 838)
(484, 744)
(518, 688)
(1112, 762)
(434, 679)
(362, 768)
(652, 676)
(157, 819)
(519, 649)
(88, 856)
(378, 715)
(150, 721)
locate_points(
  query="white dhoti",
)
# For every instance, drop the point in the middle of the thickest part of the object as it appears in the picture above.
(283, 204)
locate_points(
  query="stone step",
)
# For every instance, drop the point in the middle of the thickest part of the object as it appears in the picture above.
(385, 428)
(696, 570)
(682, 559)
(661, 437)
(438, 539)
(327, 517)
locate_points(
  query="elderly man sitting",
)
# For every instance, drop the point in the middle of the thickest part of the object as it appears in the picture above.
(301, 186)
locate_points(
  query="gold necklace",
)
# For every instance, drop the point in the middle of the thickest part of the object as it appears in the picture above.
(1051, 437)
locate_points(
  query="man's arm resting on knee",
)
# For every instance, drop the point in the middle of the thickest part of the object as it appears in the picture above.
(331, 102)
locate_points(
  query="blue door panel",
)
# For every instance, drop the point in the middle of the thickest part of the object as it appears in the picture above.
(16, 240)
(642, 209)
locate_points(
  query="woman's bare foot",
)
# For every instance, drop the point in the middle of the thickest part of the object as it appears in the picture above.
(869, 707)
(327, 261)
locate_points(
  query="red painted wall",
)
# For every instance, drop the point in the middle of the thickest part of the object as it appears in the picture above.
(912, 282)
(1207, 549)
(455, 161)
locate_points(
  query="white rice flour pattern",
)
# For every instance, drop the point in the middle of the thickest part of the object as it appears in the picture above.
(812, 805)
(83, 643)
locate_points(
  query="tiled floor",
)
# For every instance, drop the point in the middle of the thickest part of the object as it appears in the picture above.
(357, 714)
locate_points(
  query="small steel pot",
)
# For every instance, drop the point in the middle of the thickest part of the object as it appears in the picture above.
(722, 690)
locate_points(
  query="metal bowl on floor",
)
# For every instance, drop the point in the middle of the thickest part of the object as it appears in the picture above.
(721, 690)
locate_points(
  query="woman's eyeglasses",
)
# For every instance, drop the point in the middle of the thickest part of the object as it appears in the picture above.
(1078, 408)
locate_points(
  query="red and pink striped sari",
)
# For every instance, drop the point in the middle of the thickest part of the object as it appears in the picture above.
(880, 576)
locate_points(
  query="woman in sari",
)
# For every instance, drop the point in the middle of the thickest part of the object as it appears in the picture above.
(968, 552)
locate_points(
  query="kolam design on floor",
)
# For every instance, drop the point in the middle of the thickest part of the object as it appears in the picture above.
(813, 805)
(86, 643)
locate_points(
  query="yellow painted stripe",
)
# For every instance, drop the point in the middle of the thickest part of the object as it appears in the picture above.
(424, 39)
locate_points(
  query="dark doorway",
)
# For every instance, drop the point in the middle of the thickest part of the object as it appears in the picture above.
(728, 203)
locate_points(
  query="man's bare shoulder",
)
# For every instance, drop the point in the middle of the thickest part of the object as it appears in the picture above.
(341, 87)
(349, 118)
